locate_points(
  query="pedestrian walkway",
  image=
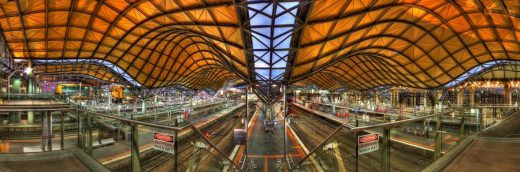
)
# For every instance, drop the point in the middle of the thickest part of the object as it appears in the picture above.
(488, 154)
(63, 160)
(266, 149)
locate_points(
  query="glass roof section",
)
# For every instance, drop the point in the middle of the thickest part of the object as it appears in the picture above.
(478, 70)
(272, 27)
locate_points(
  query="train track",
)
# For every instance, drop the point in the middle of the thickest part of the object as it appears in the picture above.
(186, 149)
(314, 130)
(222, 141)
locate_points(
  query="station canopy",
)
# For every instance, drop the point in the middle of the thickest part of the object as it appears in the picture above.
(359, 44)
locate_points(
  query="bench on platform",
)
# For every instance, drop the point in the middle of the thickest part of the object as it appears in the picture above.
(104, 142)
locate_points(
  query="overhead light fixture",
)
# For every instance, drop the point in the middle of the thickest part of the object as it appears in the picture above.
(28, 70)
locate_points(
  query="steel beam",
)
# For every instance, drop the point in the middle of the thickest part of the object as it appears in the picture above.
(62, 131)
(438, 138)
(385, 151)
(136, 167)
(89, 148)
(462, 133)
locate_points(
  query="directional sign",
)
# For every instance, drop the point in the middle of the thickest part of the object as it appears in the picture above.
(164, 142)
(368, 143)
(239, 136)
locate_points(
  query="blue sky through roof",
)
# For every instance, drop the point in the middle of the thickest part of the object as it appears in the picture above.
(473, 71)
(271, 38)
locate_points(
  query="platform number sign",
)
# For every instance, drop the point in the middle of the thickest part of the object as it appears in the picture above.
(164, 142)
(368, 143)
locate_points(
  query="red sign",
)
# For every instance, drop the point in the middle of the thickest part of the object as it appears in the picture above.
(163, 137)
(368, 138)
(164, 142)
(368, 143)
(207, 134)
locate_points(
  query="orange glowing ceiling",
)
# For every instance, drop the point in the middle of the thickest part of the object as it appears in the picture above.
(358, 44)
(158, 43)
(415, 43)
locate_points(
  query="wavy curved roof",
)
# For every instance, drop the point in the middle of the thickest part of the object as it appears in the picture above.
(157, 42)
(358, 44)
(84, 69)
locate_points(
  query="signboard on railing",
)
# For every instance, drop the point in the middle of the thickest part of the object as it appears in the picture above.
(239, 136)
(164, 142)
(368, 143)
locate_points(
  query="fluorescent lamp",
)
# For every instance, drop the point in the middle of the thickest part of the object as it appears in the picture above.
(28, 70)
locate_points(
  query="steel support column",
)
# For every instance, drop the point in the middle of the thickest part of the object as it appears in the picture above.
(480, 119)
(385, 151)
(175, 146)
(471, 96)
(49, 130)
(30, 90)
(44, 131)
(284, 123)
(89, 147)
(246, 123)
(425, 101)
(80, 141)
(394, 97)
(30, 117)
(438, 137)
(62, 131)
(143, 106)
(109, 101)
(462, 133)
(460, 98)
(333, 107)
(136, 167)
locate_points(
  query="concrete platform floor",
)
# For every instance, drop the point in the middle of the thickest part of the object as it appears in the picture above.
(267, 149)
(63, 164)
(70, 160)
(485, 154)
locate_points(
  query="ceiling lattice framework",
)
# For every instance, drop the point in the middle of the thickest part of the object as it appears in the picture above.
(158, 43)
(414, 43)
(73, 78)
(84, 69)
(359, 44)
(500, 72)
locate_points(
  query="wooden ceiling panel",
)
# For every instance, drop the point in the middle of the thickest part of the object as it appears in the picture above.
(426, 39)
(118, 32)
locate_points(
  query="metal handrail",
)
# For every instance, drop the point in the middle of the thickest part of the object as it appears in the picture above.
(176, 129)
(391, 124)
(33, 107)
(213, 145)
(164, 108)
(131, 121)
(488, 105)
(168, 110)
(360, 110)
(356, 129)
(25, 110)
(34, 104)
